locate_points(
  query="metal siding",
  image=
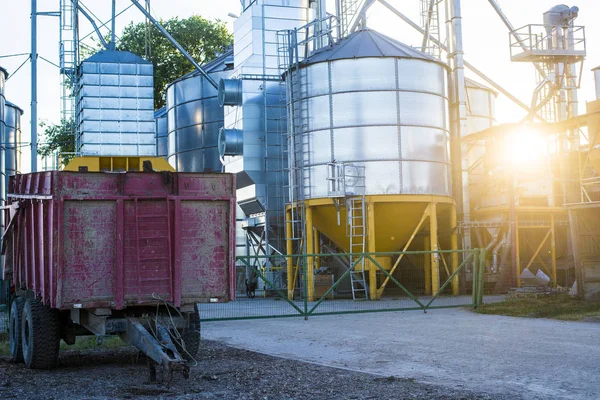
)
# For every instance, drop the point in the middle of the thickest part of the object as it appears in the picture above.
(394, 125)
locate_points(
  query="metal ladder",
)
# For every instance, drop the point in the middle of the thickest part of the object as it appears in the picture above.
(434, 27)
(357, 232)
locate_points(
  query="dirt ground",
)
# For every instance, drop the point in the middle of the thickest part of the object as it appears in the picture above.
(222, 373)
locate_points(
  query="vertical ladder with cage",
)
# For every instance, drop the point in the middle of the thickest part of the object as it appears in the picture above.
(434, 26)
(357, 233)
(68, 62)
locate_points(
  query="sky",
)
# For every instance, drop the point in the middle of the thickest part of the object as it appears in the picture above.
(485, 39)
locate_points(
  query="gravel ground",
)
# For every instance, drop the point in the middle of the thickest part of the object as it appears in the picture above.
(223, 373)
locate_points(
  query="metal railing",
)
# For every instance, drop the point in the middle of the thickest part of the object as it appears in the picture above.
(538, 40)
(263, 295)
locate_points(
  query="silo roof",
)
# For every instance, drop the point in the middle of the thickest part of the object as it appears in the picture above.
(5, 72)
(8, 103)
(368, 43)
(474, 84)
(110, 56)
(161, 112)
(218, 64)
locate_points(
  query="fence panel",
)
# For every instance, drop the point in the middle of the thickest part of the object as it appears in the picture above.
(279, 285)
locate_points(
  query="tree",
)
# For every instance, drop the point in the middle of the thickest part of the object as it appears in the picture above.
(202, 38)
(58, 138)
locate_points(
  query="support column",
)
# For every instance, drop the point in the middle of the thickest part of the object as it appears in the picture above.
(454, 248)
(427, 266)
(371, 249)
(433, 242)
(553, 249)
(310, 249)
(289, 246)
(317, 248)
(517, 245)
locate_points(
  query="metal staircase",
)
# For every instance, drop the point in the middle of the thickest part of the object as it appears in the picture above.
(357, 233)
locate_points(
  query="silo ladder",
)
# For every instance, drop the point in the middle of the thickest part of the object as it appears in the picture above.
(357, 232)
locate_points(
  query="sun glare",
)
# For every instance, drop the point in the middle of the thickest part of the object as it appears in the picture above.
(525, 148)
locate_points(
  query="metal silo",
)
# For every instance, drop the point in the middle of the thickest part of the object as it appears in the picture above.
(115, 105)
(371, 148)
(3, 75)
(162, 137)
(194, 118)
(12, 142)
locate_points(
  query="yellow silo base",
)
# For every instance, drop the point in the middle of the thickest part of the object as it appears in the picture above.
(393, 222)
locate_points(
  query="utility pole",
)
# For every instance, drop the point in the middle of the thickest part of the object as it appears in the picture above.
(34, 56)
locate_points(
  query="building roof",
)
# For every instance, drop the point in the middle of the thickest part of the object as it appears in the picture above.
(368, 43)
(110, 56)
(5, 72)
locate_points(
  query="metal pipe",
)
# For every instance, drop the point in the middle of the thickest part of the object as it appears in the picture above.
(511, 29)
(458, 115)
(34, 56)
(597, 81)
(113, 45)
(89, 17)
(495, 252)
(176, 44)
(470, 66)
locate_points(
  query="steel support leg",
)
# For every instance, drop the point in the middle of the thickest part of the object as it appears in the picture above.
(433, 242)
(310, 249)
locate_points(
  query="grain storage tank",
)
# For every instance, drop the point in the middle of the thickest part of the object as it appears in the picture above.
(12, 135)
(371, 127)
(195, 117)
(162, 139)
(115, 105)
(3, 76)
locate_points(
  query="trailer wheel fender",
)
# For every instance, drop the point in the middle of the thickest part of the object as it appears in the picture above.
(40, 335)
(14, 328)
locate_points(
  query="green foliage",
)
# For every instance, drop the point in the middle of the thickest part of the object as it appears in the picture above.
(202, 38)
(58, 138)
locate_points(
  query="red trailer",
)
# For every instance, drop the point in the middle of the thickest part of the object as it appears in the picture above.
(117, 253)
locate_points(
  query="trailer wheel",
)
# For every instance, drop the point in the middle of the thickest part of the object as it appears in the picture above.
(14, 328)
(190, 336)
(40, 335)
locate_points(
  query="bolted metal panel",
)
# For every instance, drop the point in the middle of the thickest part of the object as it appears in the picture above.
(162, 137)
(195, 117)
(115, 105)
(481, 110)
(261, 113)
(384, 111)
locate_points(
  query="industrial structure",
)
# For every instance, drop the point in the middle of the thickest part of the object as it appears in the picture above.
(344, 140)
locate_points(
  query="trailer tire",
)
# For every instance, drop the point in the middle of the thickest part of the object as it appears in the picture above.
(191, 337)
(14, 329)
(40, 335)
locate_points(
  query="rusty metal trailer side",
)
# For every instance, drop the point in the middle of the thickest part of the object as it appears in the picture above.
(114, 240)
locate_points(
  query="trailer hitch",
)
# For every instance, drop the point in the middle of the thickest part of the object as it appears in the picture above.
(163, 357)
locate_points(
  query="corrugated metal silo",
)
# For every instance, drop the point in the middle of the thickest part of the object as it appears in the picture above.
(162, 132)
(12, 134)
(371, 132)
(194, 118)
(3, 75)
(115, 105)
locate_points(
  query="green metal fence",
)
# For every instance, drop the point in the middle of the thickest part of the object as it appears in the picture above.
(405, 287)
